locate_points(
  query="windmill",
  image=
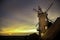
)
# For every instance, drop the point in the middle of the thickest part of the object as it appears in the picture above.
(43, 19)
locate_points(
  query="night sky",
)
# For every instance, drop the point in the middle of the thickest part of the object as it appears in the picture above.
(18, 16)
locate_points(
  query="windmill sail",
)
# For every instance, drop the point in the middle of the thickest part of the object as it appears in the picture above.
(50, 6)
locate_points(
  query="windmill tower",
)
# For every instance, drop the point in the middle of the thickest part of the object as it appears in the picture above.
(43, 19)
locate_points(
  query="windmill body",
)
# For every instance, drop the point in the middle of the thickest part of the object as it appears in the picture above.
(42, 22)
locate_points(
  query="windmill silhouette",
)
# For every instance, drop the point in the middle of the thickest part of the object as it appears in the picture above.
(43, 19)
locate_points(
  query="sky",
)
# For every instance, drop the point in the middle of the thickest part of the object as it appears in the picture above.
(18, 16)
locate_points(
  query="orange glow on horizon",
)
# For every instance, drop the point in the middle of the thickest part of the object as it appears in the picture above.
(18, 30)
(12, 32)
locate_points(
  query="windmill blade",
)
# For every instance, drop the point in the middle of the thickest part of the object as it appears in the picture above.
(35, 10)
(37, 24)
(50, 20)
(40, 10)
(50, 6)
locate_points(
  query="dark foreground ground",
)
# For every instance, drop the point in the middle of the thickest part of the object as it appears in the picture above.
(30, 37)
